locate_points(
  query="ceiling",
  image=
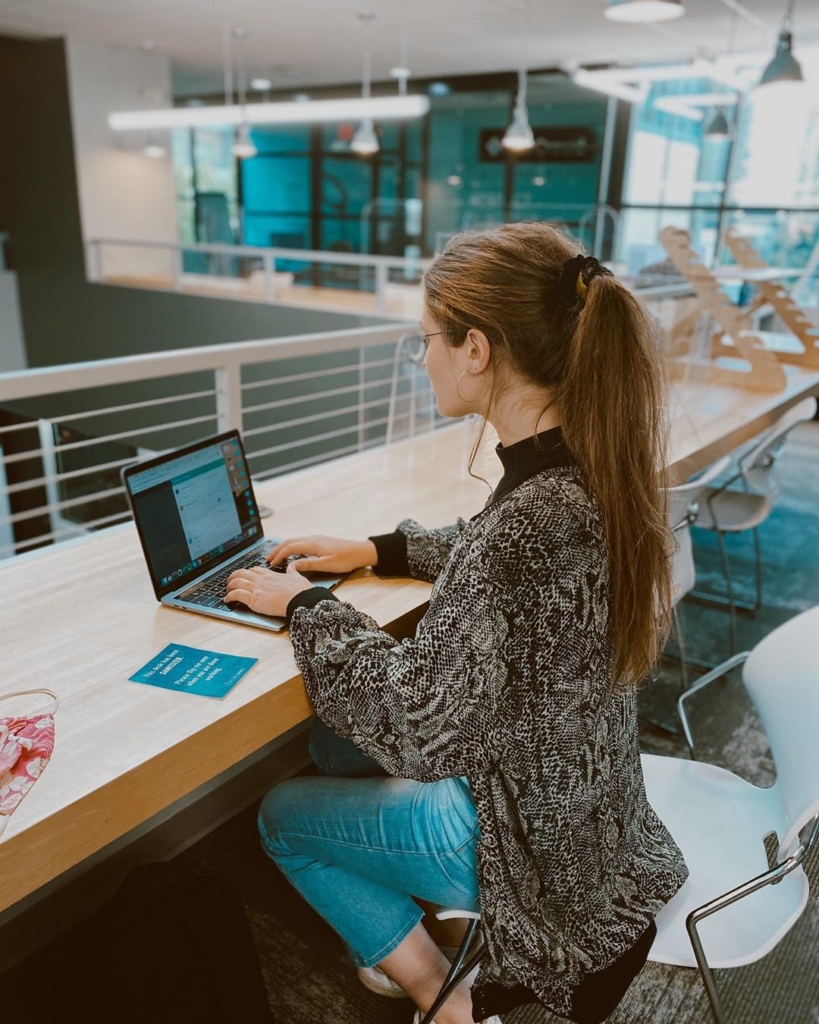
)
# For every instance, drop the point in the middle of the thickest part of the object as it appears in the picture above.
(300, 43)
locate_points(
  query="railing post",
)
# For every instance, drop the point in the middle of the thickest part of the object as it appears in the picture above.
(381, 278)
(228, 380)
(45, 429)
(269, 291)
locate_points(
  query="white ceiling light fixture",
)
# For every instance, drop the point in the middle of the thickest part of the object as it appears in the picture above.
(243, 146)
(519, 137)
(402, 71)
(154, 148)
(306, 111)
(261, 84)
(365, 140)
(693, 105)
(644, 11)
(608, 85)
(735, 71)
(784, 67)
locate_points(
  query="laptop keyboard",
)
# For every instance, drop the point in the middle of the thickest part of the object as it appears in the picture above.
(210, 593)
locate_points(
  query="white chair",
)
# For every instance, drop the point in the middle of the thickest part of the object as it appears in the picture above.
(683, 510)
(720, 822)
(724, 510)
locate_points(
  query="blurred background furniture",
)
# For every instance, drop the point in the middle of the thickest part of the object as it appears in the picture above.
(726, 510)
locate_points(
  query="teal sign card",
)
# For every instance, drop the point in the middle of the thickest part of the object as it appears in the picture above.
(192, 670)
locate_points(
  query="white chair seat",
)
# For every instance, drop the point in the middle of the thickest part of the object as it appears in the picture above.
(734, 511)
(709, 812)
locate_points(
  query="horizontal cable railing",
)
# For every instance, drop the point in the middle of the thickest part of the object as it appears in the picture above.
(387, 286)
(66, 432)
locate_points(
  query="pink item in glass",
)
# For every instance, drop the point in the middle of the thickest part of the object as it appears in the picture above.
(26, 744)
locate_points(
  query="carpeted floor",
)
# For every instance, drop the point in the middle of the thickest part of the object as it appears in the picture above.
(308, 977)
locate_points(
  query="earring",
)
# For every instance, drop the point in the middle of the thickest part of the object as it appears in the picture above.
(468, 401)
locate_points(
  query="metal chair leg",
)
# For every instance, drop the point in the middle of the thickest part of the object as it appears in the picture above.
(757, 568)
(681, 648)
(726, 568)
(728, 600)
(461, 966)
(769, 877)
(700, 684)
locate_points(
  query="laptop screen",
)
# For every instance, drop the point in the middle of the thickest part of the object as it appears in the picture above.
(193, 509)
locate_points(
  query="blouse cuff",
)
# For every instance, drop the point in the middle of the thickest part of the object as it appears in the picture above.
(307, 599)
(392, 554)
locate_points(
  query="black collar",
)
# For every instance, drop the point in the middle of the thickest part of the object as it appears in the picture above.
(527, 458)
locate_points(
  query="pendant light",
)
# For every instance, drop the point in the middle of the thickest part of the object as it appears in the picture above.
(365, 141)
(154, 147)
(784, 67)
(401, 72)
(244, 148)
(519, 137)
(644, 11)
(718, 127)
(243, 145)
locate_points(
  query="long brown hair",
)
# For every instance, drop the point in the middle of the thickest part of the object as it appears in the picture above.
(600, 362)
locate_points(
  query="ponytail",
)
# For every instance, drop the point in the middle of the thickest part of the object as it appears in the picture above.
(611, 399)
(560, 321)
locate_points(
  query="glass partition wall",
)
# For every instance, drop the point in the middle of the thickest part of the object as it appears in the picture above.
(446, 172)
(694, 154)
(706, 158)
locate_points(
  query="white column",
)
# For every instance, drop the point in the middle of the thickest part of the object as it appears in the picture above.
(123, 194)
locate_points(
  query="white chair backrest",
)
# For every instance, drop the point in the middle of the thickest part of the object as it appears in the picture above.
(681, 509)
(758, 465)
(683, 496)
(782, 678)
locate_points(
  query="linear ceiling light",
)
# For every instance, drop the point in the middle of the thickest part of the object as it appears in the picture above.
(642, 11)
(609, 85)
(693, 105)
(379, 107)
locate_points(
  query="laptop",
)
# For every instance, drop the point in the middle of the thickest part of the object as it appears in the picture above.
(198, 522)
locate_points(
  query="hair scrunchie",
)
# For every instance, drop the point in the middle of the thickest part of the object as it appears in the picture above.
(575, 275)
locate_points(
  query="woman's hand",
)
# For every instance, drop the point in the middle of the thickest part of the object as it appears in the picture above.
(325, 554)
(264, 591)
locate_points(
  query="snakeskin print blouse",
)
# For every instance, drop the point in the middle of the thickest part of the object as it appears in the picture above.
(506, 682)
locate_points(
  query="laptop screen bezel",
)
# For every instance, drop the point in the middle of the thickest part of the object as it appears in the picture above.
(160, 460)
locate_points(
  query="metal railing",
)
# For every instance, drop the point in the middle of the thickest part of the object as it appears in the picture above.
(67, 431)
(386, 286)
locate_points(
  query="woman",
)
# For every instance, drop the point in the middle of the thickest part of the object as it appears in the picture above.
(507, 726)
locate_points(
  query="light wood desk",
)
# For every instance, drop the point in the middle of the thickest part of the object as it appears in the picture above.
(81, 618)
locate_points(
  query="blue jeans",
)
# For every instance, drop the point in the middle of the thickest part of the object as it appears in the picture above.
(359, 844)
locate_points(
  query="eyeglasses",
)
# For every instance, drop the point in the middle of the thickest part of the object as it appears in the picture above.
(426, 337)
